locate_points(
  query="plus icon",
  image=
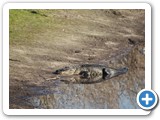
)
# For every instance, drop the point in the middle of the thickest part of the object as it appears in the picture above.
(147, 99)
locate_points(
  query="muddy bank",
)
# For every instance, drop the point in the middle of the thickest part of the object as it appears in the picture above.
(42, 41)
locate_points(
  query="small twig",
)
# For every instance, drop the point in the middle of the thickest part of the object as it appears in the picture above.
(54, 78)
(14, 60)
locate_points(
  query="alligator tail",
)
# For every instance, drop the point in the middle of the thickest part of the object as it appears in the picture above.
(61, 70)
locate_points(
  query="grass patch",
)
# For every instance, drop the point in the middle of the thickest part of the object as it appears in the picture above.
(26, 25)
(23, 25)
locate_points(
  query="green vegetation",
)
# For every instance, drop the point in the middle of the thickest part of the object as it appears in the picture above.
(23, 25)
(26, 25)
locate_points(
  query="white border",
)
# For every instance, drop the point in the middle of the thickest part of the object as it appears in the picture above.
(8, 6)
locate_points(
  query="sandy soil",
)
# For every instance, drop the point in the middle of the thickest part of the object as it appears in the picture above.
(111, 37)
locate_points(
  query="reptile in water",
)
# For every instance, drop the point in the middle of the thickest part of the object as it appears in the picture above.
(88, 73)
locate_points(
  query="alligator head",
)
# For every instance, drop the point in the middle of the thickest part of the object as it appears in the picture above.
(110, 73)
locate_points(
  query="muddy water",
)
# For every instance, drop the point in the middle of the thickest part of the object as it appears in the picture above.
(97, 96)
(119, 92)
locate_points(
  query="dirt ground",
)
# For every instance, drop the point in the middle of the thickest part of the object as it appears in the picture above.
(42, 41)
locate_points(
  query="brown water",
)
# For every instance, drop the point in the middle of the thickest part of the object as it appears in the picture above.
(118, 92)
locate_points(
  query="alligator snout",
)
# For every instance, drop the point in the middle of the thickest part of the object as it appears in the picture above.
(123, 70)
(120, 71)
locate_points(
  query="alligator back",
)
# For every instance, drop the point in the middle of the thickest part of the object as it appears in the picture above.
(84, 74)
(87, 73)
(84, 69)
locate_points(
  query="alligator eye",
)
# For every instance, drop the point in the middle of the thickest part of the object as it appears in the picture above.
(84, 74)
(107, 73)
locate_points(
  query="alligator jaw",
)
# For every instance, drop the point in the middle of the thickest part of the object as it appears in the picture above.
(121, 71)
(114, 72)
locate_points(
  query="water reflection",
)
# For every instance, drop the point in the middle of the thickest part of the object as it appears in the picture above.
(115, 93)
(110, 94)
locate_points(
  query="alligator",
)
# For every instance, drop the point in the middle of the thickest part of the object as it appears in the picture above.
(88, 73)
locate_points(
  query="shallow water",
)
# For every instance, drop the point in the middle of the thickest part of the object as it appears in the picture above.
(106, 95)
(116, 93)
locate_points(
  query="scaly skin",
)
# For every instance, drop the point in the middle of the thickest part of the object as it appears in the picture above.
(88, 73)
